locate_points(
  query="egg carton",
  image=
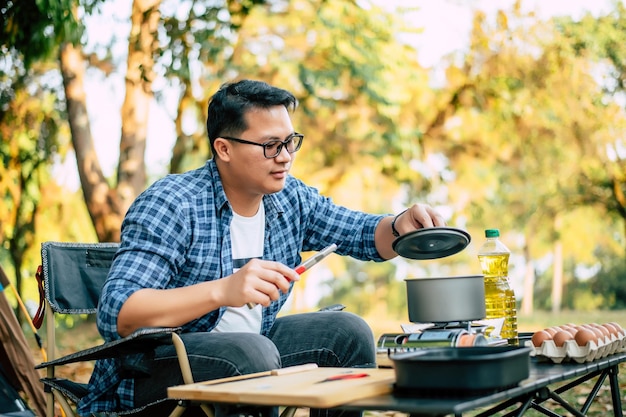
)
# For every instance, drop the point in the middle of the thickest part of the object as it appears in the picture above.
(570, 351)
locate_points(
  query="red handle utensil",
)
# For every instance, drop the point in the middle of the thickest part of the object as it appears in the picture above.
(341, 377)
(309, 263)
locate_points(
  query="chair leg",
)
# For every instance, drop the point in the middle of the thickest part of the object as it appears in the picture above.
(49, 404)
(182, 406)
(207, 410)
(183, 359)
(178, 411)
(289, 412)
(65, 406)
(185, 369)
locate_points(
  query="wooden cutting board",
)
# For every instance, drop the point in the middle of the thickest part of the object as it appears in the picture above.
(300, 388)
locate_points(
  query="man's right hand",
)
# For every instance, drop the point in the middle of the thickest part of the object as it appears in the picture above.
(258, 282)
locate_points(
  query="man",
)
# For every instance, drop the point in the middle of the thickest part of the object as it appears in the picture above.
(196, 248)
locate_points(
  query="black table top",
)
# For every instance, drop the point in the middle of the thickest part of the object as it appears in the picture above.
(542, 374)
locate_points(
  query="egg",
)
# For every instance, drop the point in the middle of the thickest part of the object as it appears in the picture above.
(609, 327)
(618, 327)
(539, 337)
(598, 332)
(604, 330)
(584, 336)
(570, 328)
(550, 330)
(561, 337)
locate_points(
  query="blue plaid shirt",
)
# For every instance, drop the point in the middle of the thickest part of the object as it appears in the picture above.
(177, 233)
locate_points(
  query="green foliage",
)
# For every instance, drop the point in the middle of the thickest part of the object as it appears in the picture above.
(609, 282)
(602, 41)
(23, 29)
(523, 134)
(35, 28)
(342, 60)
(31, 125)
(33, 138)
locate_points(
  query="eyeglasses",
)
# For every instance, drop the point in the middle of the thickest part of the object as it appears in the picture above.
(273, 148)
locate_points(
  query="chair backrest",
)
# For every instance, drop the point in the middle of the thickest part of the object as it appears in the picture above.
(74, 273)
(72, 276)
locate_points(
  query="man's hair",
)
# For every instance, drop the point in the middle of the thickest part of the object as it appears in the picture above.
(230, 103)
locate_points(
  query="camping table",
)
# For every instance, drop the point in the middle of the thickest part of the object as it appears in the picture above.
(546, 381)
(530, 393)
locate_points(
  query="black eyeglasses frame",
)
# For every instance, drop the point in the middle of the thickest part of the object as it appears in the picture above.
(270, 143)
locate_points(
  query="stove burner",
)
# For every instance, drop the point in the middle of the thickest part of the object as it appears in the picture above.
(467, 325)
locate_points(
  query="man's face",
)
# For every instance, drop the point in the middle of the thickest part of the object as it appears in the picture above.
(248, 171)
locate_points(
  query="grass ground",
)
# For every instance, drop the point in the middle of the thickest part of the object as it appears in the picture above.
(601, 407)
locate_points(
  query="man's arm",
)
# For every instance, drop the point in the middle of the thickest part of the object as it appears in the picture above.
(257, 282)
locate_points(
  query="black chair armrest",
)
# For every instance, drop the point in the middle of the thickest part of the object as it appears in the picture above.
(140, 341)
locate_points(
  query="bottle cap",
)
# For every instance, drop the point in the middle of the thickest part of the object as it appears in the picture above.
(492, 233)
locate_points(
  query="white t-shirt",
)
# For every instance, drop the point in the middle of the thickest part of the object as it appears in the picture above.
(247, 235)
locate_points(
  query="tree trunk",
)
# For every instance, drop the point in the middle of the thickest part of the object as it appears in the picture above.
(142, 45)
(102, 202)
(107, 206)
(183, 142)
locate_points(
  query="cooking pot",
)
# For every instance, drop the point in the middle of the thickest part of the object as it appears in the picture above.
(446, 299)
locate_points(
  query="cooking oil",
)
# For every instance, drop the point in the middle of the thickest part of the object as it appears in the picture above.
(499, 296)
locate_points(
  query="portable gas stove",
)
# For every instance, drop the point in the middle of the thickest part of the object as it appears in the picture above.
(443, 334)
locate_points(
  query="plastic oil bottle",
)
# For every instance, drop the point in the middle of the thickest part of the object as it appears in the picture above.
(499, 296)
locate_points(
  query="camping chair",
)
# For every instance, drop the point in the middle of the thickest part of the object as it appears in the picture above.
(71, 278)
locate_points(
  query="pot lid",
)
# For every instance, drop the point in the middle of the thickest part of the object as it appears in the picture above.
(431, 243)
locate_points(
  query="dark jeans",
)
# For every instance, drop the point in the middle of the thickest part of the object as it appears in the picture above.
(327, 338)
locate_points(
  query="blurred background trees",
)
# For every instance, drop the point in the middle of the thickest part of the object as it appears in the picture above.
(525, 130)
